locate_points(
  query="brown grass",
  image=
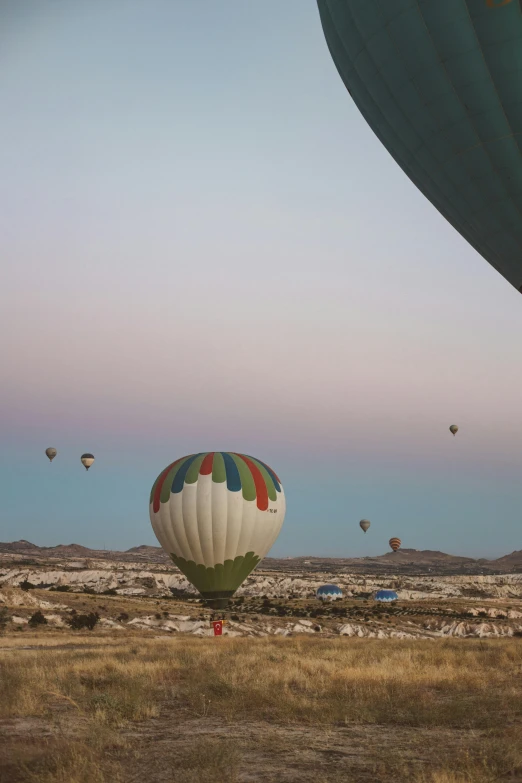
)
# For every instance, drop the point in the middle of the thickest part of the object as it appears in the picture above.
(470, 687)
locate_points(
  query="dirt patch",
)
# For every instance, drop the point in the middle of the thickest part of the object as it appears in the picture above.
(161, 750)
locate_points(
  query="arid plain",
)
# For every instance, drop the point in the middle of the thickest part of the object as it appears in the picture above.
(110, 671)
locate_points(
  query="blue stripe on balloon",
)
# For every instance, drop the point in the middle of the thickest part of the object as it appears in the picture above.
(179, 478)
(233, 477)
(270, 472)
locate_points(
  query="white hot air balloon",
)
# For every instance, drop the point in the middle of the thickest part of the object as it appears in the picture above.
(87, 460)
(217, 515)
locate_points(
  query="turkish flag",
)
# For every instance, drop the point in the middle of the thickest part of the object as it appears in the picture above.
(218, 627)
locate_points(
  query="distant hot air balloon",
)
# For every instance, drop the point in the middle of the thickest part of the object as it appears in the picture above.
(87, 460)
(395, 543)
(439, 84)
(217, 514)
(51, 453)
(364, 524)
(453, 429)
(329, 593)
(386, 596)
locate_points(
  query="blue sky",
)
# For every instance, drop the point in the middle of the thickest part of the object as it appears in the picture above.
(205, 247)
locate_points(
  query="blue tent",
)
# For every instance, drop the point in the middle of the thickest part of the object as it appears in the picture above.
(386, 596)
(329, 593)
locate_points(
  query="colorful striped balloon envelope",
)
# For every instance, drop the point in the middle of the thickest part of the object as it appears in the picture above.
(217, 514)
(395, 543)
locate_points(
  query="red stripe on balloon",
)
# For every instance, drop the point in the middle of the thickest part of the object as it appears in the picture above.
(206, 465)
(159, 485)
(261, 490)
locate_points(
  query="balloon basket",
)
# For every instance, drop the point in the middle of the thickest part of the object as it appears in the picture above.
(218, 600)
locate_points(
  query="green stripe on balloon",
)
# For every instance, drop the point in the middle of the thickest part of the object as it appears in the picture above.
(155, 485)
(193, 471)
(270, 487)
(167, 484)
(247, 480)
(219, 473)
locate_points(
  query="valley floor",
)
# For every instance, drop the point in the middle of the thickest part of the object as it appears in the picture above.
(94, 707)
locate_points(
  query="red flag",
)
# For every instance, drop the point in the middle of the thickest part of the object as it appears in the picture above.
(218, 627)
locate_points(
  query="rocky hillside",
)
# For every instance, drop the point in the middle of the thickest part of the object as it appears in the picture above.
(120, 610)
(127, 578)
(405, 561)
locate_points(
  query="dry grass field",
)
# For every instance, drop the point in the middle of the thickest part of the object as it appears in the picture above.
(87, 708)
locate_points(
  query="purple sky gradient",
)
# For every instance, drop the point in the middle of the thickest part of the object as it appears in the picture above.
(205, 247)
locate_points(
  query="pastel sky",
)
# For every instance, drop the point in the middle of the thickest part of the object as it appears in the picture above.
(204, 247)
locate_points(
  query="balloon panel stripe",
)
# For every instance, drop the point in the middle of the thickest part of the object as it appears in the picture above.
(270, 486)
(156, 489)
(167, 483)
(273, 474)
(206, 465)
(232, 472)
(219, 471)
(193, 472)
(259, 483)
(179, 478)
(245, 475)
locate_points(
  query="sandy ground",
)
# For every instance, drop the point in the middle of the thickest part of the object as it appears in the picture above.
(268, 753)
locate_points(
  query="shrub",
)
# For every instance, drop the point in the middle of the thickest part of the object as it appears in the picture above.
(4, 619)
(25, 585)
(37, 619)
(80, 621)
(176, 593)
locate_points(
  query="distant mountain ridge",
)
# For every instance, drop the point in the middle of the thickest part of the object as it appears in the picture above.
(424, 559)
